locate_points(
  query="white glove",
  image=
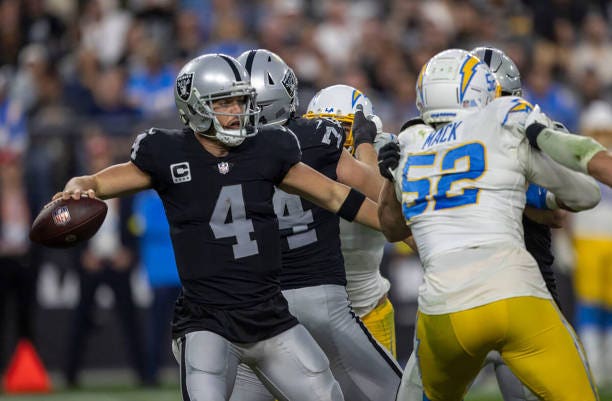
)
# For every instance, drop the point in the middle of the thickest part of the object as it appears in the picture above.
(376, 120)
(536, 116)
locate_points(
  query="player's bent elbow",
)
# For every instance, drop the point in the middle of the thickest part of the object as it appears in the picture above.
(588, 199)
(394, 231)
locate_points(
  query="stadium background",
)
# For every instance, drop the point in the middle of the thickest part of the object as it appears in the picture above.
(79, 79)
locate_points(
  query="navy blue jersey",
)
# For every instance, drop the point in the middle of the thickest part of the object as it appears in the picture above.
(538, 242)
(311, 235)
(223, 228)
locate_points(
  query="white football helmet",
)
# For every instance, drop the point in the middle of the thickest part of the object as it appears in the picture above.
(453, 83)
(212, 77)
(340, 103)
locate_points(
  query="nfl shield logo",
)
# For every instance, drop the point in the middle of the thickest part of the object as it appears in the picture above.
(61, 216)
(223, 167)
(183, 85)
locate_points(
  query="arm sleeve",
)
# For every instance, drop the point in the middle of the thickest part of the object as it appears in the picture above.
(576, 190)
(573, 151)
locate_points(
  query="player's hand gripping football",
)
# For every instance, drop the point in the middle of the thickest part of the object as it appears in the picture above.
(75, 194)
(388, 160)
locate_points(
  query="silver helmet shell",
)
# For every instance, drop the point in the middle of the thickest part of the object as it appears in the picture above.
(212, 77)
(504, 69)
(275, 83)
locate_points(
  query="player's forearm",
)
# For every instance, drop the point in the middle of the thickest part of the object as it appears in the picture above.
(572, 151)
(366, 153)
(368, 215)
(390, 215)
(600, 167)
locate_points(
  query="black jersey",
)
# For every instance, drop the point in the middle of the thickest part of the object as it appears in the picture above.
(538, 242)
(310, 235)
(223, 228)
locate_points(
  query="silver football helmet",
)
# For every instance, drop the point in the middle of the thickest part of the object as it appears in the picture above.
(340, 103)
(452, 84)
(276, 85)
(504, 69)
(206, 79)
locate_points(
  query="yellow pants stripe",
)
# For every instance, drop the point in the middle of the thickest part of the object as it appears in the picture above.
(381, 324)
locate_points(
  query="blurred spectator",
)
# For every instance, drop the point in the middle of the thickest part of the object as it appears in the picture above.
(151, 83)
(111, 110)
(594, 52)
(104, 28)
(10, 32)
(157, 258)
(593, 266)
(39, 26)
(17, 277)
(107, 259)
(338, 34)
(554, 99)
(13, 133)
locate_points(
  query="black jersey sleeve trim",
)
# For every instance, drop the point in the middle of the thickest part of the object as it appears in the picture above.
(411, 122)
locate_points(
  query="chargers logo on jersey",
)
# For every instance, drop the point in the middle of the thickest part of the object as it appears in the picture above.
(467, 71)
(519, 106)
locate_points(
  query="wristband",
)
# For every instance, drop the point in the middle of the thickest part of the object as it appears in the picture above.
(532, 133)
(351, 205)
(536, 196)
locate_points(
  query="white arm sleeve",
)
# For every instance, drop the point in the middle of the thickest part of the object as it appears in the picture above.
(573, 151)
(576, 190)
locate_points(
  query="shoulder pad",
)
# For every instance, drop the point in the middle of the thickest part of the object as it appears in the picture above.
(411, 122)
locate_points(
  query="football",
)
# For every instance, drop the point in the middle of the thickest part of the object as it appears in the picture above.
(66, 222)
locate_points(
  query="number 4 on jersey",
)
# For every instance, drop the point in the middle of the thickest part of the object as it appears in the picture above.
(230, 205)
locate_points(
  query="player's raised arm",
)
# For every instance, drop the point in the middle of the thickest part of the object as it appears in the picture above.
(576, 152)
(573, 191)
(116, 180)
(390, 215)
(346, 202)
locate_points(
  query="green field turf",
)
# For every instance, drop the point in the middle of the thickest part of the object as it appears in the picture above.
(118, 385)
(165, 393)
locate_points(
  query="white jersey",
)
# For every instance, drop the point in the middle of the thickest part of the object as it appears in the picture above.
(362, 249)
(462, 189)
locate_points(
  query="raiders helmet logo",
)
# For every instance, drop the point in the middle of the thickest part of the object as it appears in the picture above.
(183, 85)
(290, 82)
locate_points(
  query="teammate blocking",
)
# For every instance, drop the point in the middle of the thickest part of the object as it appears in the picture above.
(313, 275)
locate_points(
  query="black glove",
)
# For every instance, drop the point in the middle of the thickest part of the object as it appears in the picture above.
(364, 130)
(388, 159)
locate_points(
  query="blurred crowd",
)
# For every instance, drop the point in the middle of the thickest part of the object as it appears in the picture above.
(79, 79)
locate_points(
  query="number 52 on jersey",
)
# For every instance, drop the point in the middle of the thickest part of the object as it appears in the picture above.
(447, 179)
